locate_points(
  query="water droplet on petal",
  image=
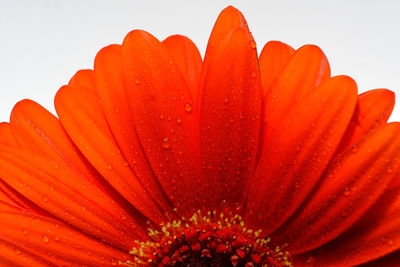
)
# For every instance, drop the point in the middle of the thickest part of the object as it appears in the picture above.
(179, 120)
(137, 81)
(347, 191)
(252, 44)
(46, 239)
(45, 198)
(25, 231)
(109, 167)
(165, 143)
(188, 107)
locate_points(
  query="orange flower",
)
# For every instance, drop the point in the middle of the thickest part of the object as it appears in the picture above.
(160, 158)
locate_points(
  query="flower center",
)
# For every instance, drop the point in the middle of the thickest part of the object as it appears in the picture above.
(210, 240)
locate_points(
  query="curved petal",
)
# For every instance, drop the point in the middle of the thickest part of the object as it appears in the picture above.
(110, 85)
(11, 255)
(61, 192)
(188, 58)
(375, 235)
(373, 110)
(306, 69)
(273, 58)
(53, 241)
(228, 20)
(6, 135)
(82, 117)
(297, 152)
(40, 132)
(164, 118)
(230, 116)
(352, 183)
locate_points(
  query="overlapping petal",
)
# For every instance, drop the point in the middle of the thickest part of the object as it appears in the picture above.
(298, 150)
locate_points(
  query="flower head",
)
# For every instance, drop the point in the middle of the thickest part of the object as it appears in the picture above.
(160, 158)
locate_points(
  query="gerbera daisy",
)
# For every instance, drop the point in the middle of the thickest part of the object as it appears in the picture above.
(160, 158)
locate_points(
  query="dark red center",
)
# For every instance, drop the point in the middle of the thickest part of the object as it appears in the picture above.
(211, 240)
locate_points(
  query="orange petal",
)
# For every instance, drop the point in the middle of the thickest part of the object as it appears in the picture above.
(84, 79)
(61, 192)
(228, 20)
(82, 117)
(6, 135)
(188, 58)
(38, 131)
(164, 118)
(375, 235)
(351, 184)
(307, 68)
(11, 255)
(111, 90)
(296, 154)
(53, 241)
(273, 59)
(230, 116)
(373, 110)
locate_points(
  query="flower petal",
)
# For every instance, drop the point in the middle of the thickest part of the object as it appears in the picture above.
(188, 58)
(273, 58)
(82, 117)
(6, 135)
(307, 68)
(228, 20)
(296, 153)
(373, 110)
(230, 116)
(53, 241)
(61, 192)
(11, 255)
(38, 131)
(111, 90)
(375, 235)
(351, 184)
(164, 118)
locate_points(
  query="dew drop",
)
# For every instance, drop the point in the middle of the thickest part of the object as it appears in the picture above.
(45, 198)
(46, 239)
(18, 252)
(252, 44)
(137, 81)
(165, 143)
(347, 191)
(25, 231)
(188, 107)
(253, 74)
(179, 120)
(57, 238)
(109, 167)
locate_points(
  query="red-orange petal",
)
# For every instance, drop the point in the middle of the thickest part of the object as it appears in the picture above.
(110, 84)
(306, 69)
(164, 118)
(273, 59)
(6, 135)
(61, 192)
(82, 117)
(53, 241)
(12, 255)
(40, 132)
(188, 58)
(297, 152)
(373, 110)
(351, 184)
(228, 20)
(375, 235)
(230, 116)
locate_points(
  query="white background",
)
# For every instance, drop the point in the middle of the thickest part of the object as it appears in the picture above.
(44, 42)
